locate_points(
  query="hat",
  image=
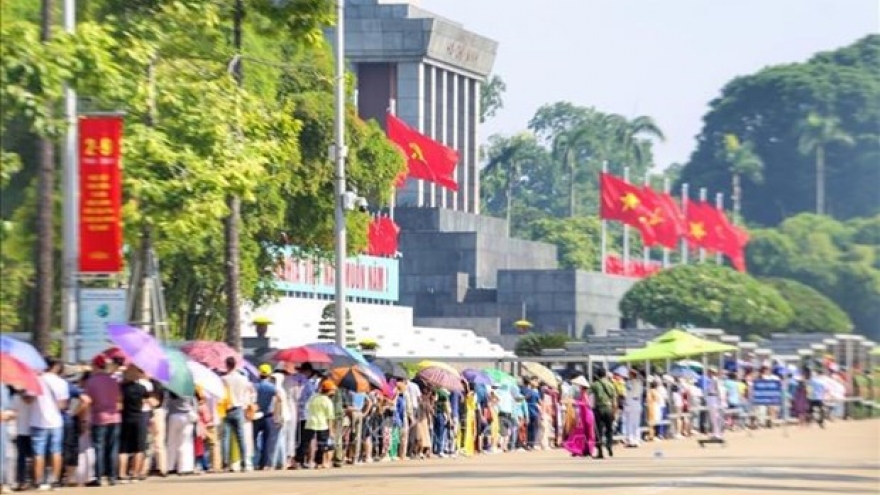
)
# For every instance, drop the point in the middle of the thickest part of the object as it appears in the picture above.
(99, 362)
(328, 386)
(265, 369)
(581, 382)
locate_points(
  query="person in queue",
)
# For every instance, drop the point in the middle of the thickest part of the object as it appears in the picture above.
(106, 396)
(604, 408)
(239, 397)
(47, 425)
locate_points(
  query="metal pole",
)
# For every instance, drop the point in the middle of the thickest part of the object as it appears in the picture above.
(684, 208)
(70, 207)
(646, 251)
(604, 234)
(626, 233)
(339, 152)
(702, 200)
(719, 205)
(392, 109)
(666, 186)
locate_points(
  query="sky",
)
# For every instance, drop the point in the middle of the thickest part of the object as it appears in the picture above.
(667, 59)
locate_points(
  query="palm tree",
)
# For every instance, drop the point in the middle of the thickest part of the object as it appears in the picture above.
(45, 205)
(567, 145)
(506, 158)
(816, 133)
(742, 161)
(632, 135)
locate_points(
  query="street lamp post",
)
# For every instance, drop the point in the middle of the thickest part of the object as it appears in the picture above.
(70, 207)
(338, 153)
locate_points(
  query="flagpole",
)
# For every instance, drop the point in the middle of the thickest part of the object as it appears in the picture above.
(392, 109)
(702, 199)
(626, 233)
(604, 230)
(719, 204)
(684, 209)
(666, 188)
(646, 251)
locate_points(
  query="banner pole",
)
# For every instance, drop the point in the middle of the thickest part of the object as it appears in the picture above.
(703, 200)
(604, 231)
(71, 208)
(666, 187)
(684, 209)
(626, 268)
(719, 204)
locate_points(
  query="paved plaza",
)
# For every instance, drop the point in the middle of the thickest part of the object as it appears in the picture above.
(842, 459)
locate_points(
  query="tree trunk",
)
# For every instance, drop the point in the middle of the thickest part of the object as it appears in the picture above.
(231, 225)
(571, 169)
(45, 279)
(820, 180)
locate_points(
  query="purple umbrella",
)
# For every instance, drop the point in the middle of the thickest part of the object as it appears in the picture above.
(142, 349)
(476, 377)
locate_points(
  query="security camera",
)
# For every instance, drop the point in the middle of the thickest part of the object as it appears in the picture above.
(351, 202)
(361, 204)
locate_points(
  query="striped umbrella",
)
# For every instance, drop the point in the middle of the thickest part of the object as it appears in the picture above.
(443, 376)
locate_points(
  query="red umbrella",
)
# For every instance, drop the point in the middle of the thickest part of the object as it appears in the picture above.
(18, 375)
(211, 354)
(302, 355)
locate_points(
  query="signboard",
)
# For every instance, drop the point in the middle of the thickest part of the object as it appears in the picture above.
(97, 309)
(100, 194)
(367, 277)
(767, 393)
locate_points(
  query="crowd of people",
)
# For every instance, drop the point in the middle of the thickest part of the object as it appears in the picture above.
(110, 424)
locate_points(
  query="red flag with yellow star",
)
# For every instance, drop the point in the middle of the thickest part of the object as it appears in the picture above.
(702, 222)
(664, 218)
(626, 203)
(426, 159)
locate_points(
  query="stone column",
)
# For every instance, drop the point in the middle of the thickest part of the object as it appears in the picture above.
(410, 101)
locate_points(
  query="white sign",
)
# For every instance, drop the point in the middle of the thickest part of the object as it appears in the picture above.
(97, 309)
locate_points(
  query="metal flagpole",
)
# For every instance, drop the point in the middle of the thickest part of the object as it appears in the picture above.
(646, 251)
(70, 207)
(339, 152)
(719, 204)
(604, 230)
(626, 232)
(392, 109)
(702, 199)
(666, 187)
(684, 209)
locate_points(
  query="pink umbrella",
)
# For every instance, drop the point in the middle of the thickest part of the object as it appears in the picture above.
(441, 377)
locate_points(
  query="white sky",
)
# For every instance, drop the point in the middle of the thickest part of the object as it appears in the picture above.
(666, 59)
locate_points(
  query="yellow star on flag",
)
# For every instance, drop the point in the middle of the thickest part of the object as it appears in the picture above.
(630, 201)
(416, 152)
(656, 217)
(697, 230)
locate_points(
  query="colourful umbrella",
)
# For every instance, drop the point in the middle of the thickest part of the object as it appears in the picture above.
(476, 377)
(340, 357)
(211, 354)
(441, 376)
(500, 377)
(143, 350)
(436, 364)
(23, 352)
(302, 354)
(209, 381)
(545, 374)
(180, 380)
(115, 353)
(19, 375)
(351, 378)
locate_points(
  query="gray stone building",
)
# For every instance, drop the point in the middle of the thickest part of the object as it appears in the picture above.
(460, 269)
(429, 71)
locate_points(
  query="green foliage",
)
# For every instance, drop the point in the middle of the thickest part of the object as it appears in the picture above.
(576, 239)
(707, 296)
(533, 343)
(491, 97)
(813, 312)
(327, 326)
(788, 112)
(193, 137)
(840, 260)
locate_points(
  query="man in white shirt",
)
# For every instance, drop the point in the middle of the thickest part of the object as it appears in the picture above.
(632, 409)
(714, 403)
(239, 397)
(47, 424)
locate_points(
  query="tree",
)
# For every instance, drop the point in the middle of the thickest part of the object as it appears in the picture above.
(567, 146)
(817, 132)
(768, 109)
(634, 135)
(327, 326)
(743, 162)
(813, 312)
(533, 343)
(507, 159)
(491, 97)
(707, 296)
(575, 240)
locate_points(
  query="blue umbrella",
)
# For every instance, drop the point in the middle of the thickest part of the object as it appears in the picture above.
(22, 351)
(476, 377)
(340, 355)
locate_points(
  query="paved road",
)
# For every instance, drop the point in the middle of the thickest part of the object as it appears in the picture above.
(845, 458)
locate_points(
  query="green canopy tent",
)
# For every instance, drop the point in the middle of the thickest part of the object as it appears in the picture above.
(675, 344)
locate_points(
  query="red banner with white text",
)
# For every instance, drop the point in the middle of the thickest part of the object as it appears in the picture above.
(100, 194)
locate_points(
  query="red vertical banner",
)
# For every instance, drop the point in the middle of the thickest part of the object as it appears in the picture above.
(100, 194)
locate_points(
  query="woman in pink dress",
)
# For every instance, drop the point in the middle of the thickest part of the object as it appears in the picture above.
(581, 441)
